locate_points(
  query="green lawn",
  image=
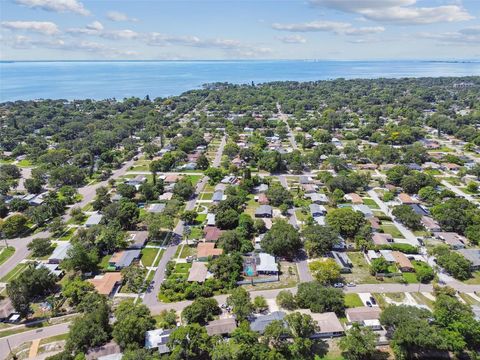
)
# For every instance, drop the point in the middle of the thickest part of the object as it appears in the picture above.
(14, 273)
(353, 300)
(371, 203)
(24, 163)
(391, 229)
(104, 262)
(206, 196)
(6, 253)
(475, 279)
(194, 178)
(182, 268)
(148, 256)
(195, 233)
(201, 218)
(410, 278)
(189, 250)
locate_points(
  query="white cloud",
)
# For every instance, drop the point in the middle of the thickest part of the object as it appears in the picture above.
(232, 47)
(467, 36)
(56, 5)
(398, 11)
(96, 28)
(329, 26)
(292, 39)
(43, 27)
(119, 16)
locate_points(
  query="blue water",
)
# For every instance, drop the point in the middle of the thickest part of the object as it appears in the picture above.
(100, 80)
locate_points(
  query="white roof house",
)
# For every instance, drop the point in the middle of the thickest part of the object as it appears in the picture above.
(210, 219)
(158, 338)
(93, 220)
(59, 253)
(267, 263)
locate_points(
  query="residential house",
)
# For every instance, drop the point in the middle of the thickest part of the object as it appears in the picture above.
(372, 255)
(59, 253)
(263, 199)
(317, 198)
(210, 219)
(206, 250)
(136, 181)
(198, 272)
(364, 209)
(419, 209)
(451, 167)
(137, 239)
(221, 327)
(262, 321)
(166, 196)
(264, 211)
(328, 323)
(387, 255)
(158, 339)
(260, 264)
(403, 262)
(6, 309)
(53, 268)
(382, 239)
(156, 208)
(105, 284)
(472, 255)
(353, 198)
(317, 210)
(406, 199)
(454, 240)
(217, 196)
(430, 224)
(122, 259)
(309, 188)
(212, 233)
(261, 188)
(343, 260)
(303, 179)
(374, 223)
(365, 316)
(93, 220)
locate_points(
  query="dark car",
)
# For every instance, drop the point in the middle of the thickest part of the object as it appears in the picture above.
(369, 304)
(372, 300)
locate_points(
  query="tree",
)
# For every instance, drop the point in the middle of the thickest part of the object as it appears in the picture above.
(282, 240)
(286, 300)
(124, 213)
(33, 185)
(455, 214)
(407, 216)
(240, 302)
(227, 219)
(79, 258)
(301, 325)
(227, 268)
(359, 343)
(314, 296)
(202, 162)
(260, 304)
(201, 311)
(325, 271)
(40, 247)
(215, 175)
(30, 284)
(126, 190)
(76, 289)
(346, 221)
(156, 223)
(102, 199)
(379, 266)
(184, 189)
(89, 330)
(319, 239)
(14, 226)
(167, 319)
(133, 321)
(133, 277)
(189, 216)
(278, 195)
(57, 226)
(454, 263)
(189, 342)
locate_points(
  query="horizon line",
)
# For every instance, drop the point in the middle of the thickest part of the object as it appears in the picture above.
(242, 60)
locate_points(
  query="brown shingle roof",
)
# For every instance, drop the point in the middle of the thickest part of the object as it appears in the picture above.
(106, 283)
(207, 249)
(198, 272)
(212, 233)
(221, 326)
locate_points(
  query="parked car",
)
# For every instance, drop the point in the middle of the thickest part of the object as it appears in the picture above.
(351, 284)
(338, 285)
(372, 300)
(369, 304)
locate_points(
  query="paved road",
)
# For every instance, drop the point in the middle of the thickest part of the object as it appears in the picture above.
(150, 298)
(18, 339)
(459, 192)
(284, 118)
(410, 238)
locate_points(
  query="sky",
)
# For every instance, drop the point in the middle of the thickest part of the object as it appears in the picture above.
(239, 29)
